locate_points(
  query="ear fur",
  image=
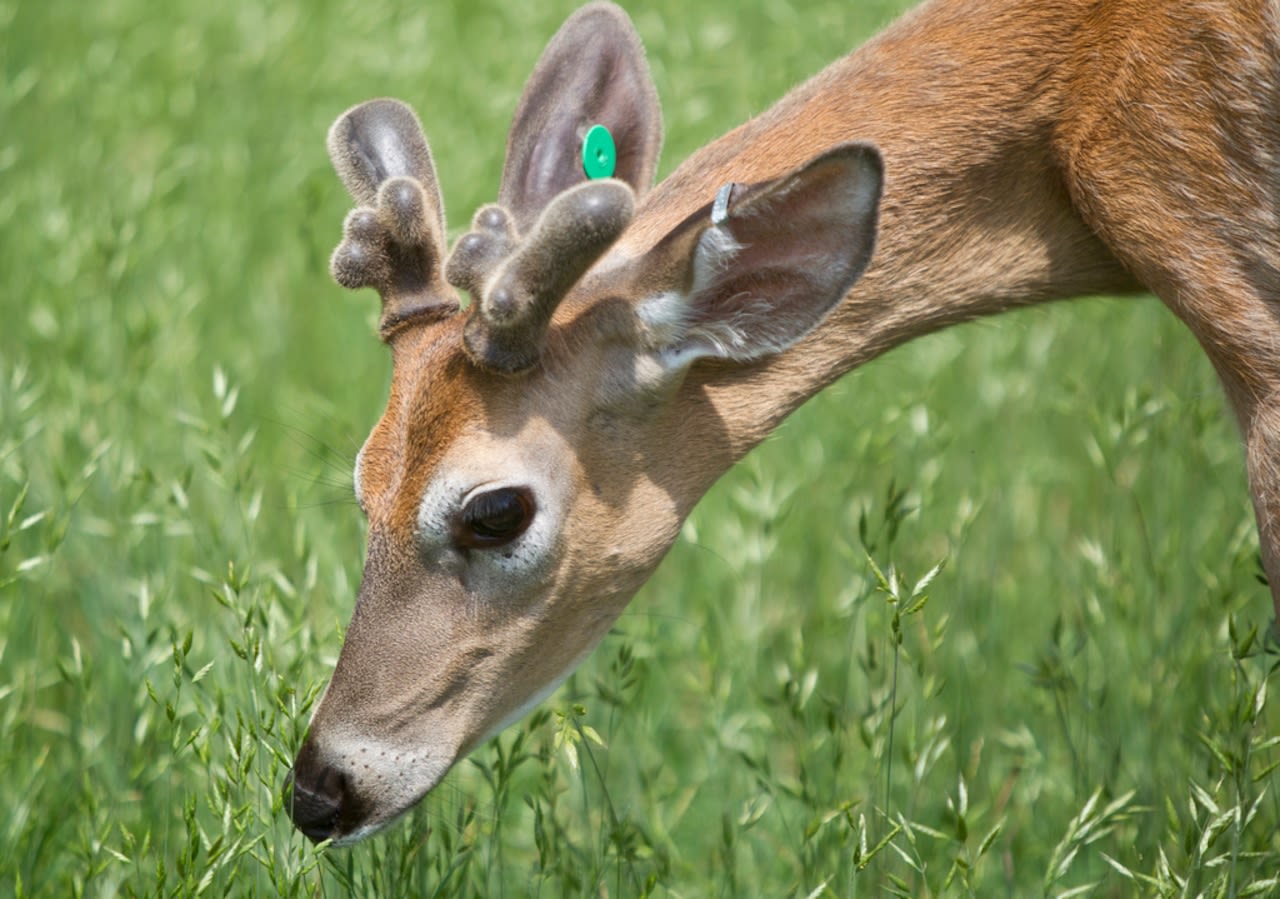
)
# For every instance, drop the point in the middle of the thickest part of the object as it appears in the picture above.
(770, 268)
(593, 72)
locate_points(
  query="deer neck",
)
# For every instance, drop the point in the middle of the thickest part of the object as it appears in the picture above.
(976, 216)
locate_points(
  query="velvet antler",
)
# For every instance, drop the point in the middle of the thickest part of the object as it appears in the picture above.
(517, 284)
(394, 240)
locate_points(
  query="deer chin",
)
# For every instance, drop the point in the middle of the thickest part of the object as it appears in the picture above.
(533, 701)
(411, 787)
(402, 779)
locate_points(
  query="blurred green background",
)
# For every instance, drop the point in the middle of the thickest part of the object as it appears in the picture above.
(1080, 705)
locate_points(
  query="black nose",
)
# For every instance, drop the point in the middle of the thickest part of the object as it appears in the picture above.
(314, 795)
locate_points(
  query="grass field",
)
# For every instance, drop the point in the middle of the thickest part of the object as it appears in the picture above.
(1080, 708)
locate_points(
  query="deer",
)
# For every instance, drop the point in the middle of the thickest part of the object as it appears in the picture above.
(626, 343)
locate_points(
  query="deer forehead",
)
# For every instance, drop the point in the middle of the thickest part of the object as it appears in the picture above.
(432, 401)
(452, 429)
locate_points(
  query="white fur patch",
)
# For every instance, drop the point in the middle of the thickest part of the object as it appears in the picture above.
(385, 778)
(513, 568)
(355, 476)
(717, 248)
(667, 316)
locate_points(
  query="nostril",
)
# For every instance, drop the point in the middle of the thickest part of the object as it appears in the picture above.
(315, 799)
(332, 784)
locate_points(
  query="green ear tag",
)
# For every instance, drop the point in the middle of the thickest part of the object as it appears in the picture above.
(599, 155)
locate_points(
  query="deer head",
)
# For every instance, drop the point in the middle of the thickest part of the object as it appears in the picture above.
(540, 450)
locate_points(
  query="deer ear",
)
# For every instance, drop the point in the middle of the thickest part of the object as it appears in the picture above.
(593, 72)
(752, 274)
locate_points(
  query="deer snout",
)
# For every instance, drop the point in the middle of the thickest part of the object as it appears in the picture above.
(345, 787)
(317, 796)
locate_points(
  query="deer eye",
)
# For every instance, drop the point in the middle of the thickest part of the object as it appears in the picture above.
(494, 518)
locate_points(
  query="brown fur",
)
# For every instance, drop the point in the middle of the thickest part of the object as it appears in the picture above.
(1033, 150)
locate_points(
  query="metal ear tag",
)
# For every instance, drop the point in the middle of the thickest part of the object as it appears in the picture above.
(720, 208)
